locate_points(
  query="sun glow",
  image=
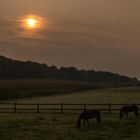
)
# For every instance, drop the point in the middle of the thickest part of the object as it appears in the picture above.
(32, 22)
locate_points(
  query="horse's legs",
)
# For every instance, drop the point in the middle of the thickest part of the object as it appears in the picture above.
(84, 122)
(88, 123)
(127, 115)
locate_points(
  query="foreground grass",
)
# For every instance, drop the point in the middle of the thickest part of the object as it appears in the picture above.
(63, 127)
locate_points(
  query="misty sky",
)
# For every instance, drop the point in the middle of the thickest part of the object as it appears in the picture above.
(88, 34)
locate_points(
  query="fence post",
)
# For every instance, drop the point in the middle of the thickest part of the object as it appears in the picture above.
(110, 108)
(37, 108)
(15, 107)
(61, 105)
(84, 107)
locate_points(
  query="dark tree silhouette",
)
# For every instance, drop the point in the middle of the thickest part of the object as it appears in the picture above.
(18, 69)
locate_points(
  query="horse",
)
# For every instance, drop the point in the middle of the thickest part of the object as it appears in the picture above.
(132, 108)
(88, 114)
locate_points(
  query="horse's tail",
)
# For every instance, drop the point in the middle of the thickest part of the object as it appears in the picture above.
(121, 114)
(79, 121)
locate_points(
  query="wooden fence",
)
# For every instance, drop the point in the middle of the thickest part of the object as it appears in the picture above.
(58, 108)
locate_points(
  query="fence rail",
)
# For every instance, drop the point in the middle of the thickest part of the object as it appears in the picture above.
(59, 108)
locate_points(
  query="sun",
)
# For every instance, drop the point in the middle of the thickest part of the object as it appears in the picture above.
(32, 22)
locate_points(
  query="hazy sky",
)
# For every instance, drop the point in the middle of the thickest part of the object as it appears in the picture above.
(88, 34)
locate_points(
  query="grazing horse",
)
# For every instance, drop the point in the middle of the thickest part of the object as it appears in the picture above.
(132, 108)
(88, 114)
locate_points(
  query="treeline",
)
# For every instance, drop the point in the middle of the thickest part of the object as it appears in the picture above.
(12, 69)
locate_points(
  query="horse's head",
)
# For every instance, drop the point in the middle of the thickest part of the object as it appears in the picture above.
(137, 112)
(123, 111)
(135, 109)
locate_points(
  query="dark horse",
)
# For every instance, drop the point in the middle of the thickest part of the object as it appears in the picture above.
(126, 109)
(88, 114)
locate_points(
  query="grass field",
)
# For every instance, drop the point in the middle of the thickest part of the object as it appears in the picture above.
(111, 95)
(63, 126)
(25, 88)
(17, 89)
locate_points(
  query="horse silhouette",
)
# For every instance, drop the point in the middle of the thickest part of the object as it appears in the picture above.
(132, 108)
(88, 114)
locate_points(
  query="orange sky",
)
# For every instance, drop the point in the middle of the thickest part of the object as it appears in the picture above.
(91, 34)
